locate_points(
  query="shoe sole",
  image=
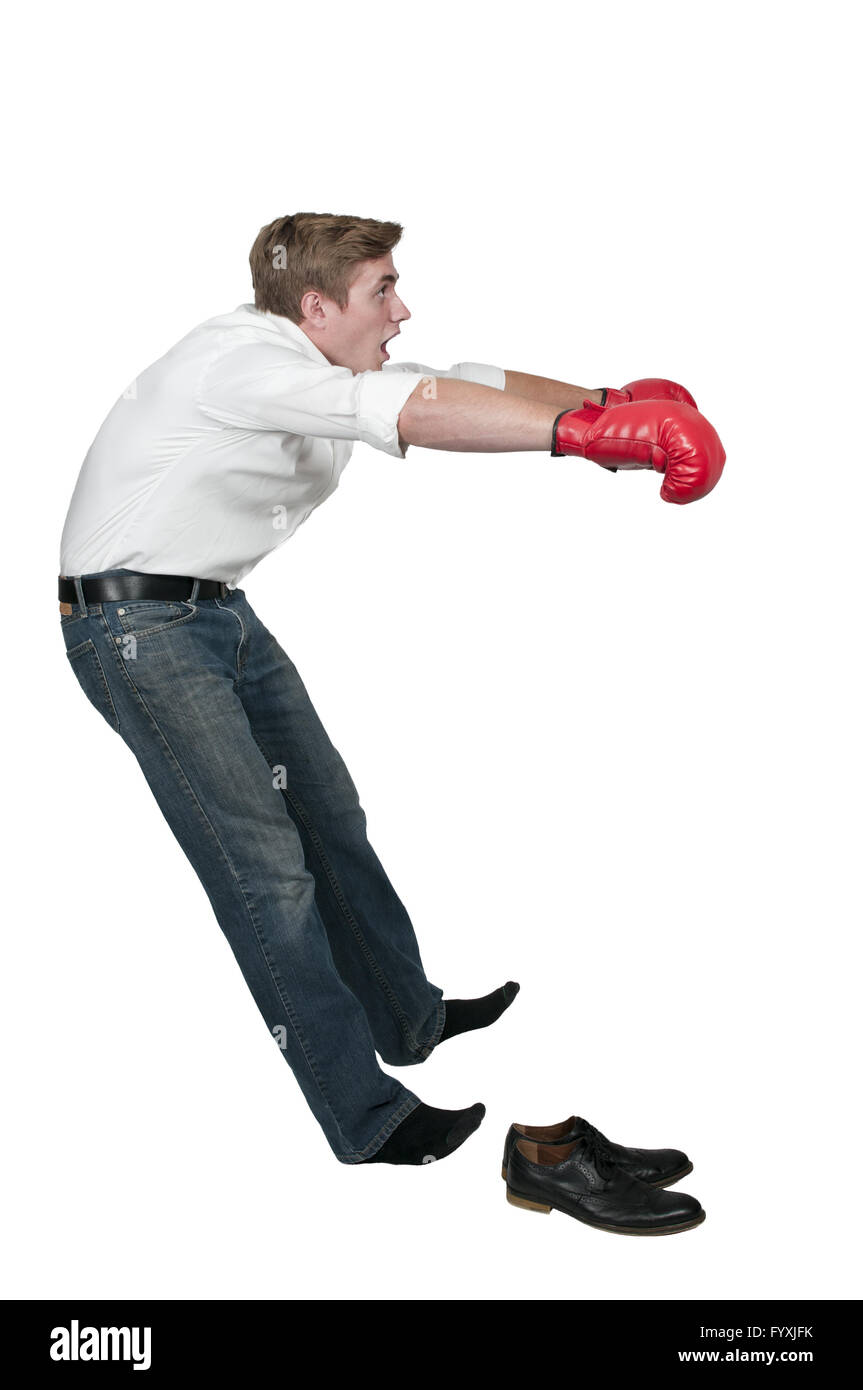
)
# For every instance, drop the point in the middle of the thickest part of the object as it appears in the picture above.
(666, 1182)
(528, 1204)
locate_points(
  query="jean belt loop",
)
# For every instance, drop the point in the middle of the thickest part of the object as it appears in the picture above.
(79, 594)
(194, 594)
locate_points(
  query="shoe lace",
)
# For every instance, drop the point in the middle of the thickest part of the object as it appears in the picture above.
(598, 1149)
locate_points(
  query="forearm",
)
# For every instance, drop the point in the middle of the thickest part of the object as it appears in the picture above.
(542, 388)
(444, 413)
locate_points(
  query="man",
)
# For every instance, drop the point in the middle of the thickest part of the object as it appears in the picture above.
(219, 451)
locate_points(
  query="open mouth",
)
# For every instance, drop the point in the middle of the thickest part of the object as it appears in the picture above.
(383, 346)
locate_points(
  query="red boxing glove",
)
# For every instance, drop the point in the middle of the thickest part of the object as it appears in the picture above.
(666, 435)
(647, 388)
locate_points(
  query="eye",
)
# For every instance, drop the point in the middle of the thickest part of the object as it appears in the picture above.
(382, 290)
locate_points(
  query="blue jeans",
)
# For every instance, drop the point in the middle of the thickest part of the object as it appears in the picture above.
(266, 811)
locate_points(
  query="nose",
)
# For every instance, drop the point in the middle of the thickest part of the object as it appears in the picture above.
(401, 311)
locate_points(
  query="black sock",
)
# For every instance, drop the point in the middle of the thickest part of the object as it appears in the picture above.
(429, 1134)
(463, 1015)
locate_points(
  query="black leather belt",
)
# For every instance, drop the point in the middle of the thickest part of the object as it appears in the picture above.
(110, 588)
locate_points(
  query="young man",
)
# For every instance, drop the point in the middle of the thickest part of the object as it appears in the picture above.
(220, 450)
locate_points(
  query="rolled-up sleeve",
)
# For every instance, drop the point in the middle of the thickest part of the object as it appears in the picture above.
(261, 386)
(482, 373)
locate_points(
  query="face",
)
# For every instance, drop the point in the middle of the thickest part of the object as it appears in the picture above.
(354, 337)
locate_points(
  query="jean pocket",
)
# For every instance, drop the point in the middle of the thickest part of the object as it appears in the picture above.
(145, 617)
(84, 660)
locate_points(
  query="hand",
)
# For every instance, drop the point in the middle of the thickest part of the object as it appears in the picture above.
(648, 388)
(670, 436)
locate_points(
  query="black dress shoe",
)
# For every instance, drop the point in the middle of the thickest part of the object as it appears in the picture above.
(659, 1167)
(581, 1180)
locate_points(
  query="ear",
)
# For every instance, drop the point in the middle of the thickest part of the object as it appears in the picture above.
(313, 308)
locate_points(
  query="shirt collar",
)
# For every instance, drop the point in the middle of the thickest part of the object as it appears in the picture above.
(290, 330)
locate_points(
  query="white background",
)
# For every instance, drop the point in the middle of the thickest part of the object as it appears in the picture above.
(607, 747)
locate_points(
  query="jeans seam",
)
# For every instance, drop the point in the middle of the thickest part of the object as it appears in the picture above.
(383, 1134)
(188, 789)
(438, 1029)
(241, 660)
(75, 654)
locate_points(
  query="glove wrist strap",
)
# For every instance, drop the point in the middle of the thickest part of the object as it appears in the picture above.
(570, 428)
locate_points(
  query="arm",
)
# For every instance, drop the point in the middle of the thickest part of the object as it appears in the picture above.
(543, 388)
(441, 413)
(668, 436)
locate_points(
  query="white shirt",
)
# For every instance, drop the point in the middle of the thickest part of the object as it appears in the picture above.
(223, 447)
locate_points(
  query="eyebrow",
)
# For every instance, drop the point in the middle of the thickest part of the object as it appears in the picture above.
(384, 278)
